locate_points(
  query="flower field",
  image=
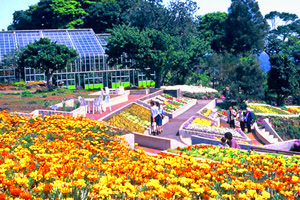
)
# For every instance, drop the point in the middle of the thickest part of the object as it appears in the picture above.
(267, 109)
(170, 104)
(209, 129)
(249, 175)
(136, 118)
(60, 157)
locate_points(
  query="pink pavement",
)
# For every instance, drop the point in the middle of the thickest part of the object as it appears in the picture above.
(98, 115)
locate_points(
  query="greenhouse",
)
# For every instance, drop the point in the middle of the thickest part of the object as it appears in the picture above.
(90, 70)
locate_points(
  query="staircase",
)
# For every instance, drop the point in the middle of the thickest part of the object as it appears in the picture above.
(264, 135)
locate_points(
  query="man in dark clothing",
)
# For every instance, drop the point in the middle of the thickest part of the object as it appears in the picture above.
(249, 119)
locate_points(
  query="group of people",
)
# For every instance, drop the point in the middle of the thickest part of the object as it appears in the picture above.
(245, 118)
(157, 115)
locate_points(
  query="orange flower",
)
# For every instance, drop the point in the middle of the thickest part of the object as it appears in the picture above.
(3, 196)
(15, 191)
(26, 195)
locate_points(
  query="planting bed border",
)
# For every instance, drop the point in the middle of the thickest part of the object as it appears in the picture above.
(288, 115)
(211, 105)
(170, 115)
(186, 134)
(120, 110)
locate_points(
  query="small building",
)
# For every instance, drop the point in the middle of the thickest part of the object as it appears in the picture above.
(90, 70)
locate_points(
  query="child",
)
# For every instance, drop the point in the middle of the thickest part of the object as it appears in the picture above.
(154, 116)
(223, 142)
(230, 141)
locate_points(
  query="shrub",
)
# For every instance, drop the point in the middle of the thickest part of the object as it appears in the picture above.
(19, 83)
(26, 93)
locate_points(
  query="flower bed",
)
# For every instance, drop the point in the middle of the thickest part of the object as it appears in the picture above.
(170, 104)
(206, 128)
(223, 153)
(293, 109)
(136, 119)
(260, 108)
(209, 114)
(60, 157)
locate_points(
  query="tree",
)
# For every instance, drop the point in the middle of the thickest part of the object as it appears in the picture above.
(212, 27)
(149, 14)
(150, 50)
(248, 80)
(283, 79)
(47, 56)
(279, 37)
(187, 53)
(246, 28)
(103, 16)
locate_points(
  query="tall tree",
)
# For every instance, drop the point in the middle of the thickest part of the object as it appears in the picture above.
(212, 27)
(54, 14)
(283, 79)
(46, 55)
(103, 16)
(147, 14)
(248, 80)
(246, 28)
(150, 50)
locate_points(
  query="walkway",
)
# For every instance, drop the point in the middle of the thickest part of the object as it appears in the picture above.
(97, 116)
(251, 136)
(171, 129)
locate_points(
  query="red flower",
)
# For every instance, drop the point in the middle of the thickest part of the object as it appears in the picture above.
(15, 191)
(3, 196)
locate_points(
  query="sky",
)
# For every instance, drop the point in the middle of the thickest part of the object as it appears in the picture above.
(7, 7)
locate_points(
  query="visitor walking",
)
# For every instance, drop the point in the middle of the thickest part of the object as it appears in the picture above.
(231, 117)
(230, 141)
(159, 118)
(154, 116)
(249, 119)
(241, 118)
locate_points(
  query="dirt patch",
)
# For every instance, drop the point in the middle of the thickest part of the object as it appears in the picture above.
(17, 103)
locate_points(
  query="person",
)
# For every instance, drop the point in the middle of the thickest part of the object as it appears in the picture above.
(230, 141)
(241, 118)
(223, 142)
(160, 117)
(154, 115)
(249, 119)
(231, 117)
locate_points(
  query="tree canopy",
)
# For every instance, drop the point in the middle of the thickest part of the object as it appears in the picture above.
(245, 28)
(46, 55)
(181, 47)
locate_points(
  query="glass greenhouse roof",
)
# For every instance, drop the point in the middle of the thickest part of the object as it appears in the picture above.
(84, 41)
(103, 39)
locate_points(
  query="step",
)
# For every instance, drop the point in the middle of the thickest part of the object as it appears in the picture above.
(275, 140)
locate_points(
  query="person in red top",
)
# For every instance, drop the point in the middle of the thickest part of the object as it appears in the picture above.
(230, 141)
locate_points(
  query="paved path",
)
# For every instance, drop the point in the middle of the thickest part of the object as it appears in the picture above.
(171, 128)
(97, 116)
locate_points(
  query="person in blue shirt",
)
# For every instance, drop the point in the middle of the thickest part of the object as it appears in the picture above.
(249, 119)
(154, 116)
(159, 118)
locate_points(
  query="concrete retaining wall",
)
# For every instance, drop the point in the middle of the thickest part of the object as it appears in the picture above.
(157, 142)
